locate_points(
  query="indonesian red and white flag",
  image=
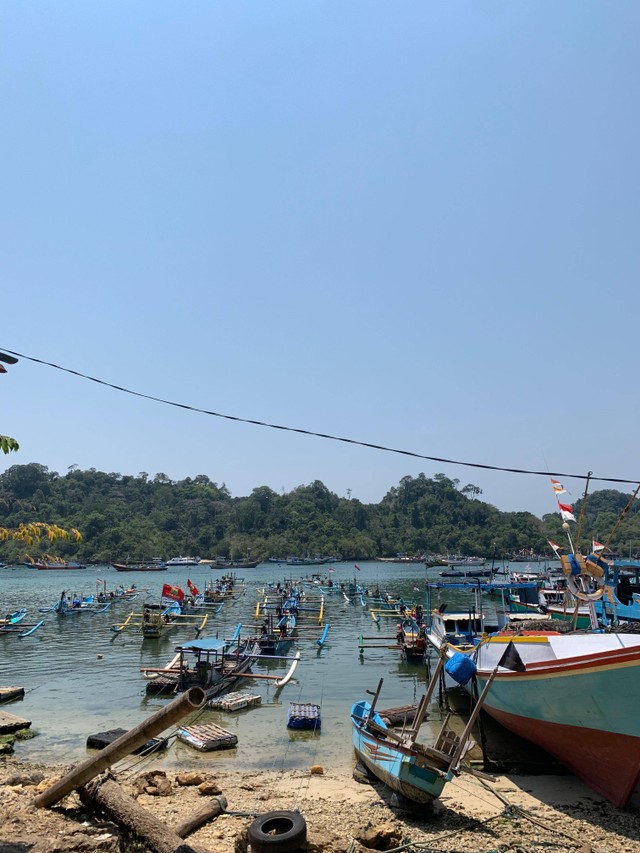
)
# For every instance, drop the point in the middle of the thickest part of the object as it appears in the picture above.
(332, 570)
(172, 592)
(596, 546)
(558, 488)
(555, 547)
(357, 567)
(566, 512)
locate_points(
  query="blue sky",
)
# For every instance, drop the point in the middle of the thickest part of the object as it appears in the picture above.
(413, 224)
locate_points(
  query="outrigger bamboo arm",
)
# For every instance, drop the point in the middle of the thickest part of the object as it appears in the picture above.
(182, 705)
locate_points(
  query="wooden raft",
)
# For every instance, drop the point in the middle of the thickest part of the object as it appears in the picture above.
(8, 694)
(9, 723)
(235, 701)
(207, 737)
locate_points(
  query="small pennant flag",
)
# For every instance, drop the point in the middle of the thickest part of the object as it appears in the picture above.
(192, 588)
(357, 567)
(332, 570)
(596, 546)
(416, 589)
(99, 580)
(558, 488)
(555, 547)
(566, 512)
(172, 592)
(511, 659)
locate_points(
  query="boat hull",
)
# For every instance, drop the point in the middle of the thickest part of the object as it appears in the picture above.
(582, 710)
(398, 767)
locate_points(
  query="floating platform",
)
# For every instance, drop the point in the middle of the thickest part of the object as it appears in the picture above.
(9, 723)
(235, 701)
(8, 694)
(303, 716)
(207, 737)
(102, 739)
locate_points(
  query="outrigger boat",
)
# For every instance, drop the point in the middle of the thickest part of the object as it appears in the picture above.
(68, 606)
(211, 663)
(156, 620)
(20, 629)
(15, 617)
(416, 771)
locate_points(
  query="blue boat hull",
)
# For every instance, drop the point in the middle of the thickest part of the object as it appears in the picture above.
(402, 769)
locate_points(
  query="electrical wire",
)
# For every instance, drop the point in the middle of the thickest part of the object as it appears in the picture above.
(326, 436)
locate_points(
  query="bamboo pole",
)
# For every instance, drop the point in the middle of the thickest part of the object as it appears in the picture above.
(182, 705)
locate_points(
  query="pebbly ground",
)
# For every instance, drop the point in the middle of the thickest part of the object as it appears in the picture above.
(512, 815)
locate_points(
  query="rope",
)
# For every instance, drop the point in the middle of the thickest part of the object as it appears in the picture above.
(325, 436)
(315, 752)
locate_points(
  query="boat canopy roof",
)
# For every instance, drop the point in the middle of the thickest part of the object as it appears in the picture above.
(207, 644)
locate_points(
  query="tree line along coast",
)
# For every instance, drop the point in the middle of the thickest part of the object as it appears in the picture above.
(131, 517)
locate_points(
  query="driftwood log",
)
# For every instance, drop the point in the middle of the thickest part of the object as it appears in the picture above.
(105, 795)
(182, 705)
(207, 811)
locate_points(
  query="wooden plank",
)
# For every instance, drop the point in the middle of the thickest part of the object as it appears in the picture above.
(399, 716)
(7, 694)
(9, 723)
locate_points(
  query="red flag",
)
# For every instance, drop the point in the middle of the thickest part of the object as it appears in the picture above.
(357, 567)
(192, 588)
(566, 512)
(173, 592)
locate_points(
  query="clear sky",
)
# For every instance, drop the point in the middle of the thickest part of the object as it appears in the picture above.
(410, 223)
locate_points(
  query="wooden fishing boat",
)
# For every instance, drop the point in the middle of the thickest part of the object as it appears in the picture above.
(416, 771)
(15, 617)
(156, 620)
(222, 563)
(574, 693)
(210, 663)
(75, 606)
(53, 567)
(412, 640)
(151, 566)
(213, 664)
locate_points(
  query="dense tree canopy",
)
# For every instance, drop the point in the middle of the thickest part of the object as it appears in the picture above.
(140, 516)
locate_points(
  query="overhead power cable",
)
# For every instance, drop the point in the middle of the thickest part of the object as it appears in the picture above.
(410, 453)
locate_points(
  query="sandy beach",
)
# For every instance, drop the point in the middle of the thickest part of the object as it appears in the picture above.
(519, 814)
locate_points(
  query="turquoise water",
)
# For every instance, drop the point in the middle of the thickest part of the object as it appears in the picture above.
(80, 678)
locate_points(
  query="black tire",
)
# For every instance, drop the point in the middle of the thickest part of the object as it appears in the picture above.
(277, 832)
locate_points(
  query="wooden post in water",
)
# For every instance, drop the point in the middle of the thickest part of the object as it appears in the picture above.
(182, 705)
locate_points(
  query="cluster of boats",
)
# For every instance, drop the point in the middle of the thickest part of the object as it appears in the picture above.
(570, 687)
(554, 658)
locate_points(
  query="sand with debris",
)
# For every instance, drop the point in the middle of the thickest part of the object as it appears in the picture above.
(520, 814)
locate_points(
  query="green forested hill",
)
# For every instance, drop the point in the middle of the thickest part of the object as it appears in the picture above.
(137, 517)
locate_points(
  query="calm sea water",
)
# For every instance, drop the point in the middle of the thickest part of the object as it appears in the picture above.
(81, 678)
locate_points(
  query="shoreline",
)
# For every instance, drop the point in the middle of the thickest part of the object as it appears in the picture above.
(529, 812)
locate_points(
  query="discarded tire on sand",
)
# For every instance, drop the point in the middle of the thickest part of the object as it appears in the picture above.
(277, 832)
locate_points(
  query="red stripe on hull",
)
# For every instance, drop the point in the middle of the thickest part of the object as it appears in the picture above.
(608, 762)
